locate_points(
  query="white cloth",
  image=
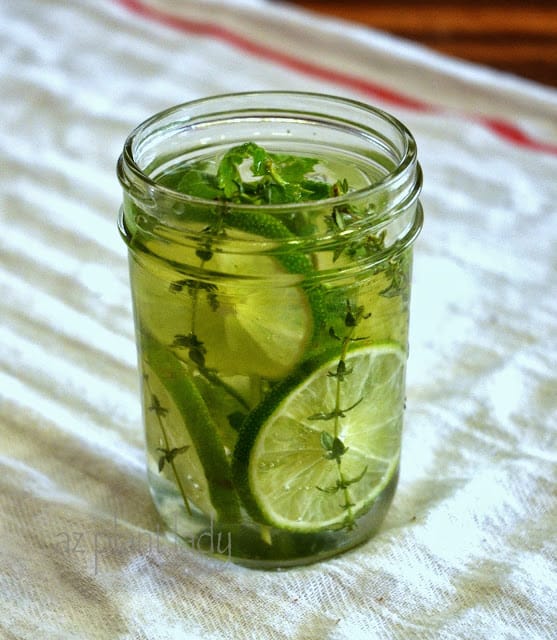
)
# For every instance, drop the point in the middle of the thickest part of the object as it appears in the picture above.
(468, 549)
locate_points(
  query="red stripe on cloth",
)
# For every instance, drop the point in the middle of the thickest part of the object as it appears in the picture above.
(502, 128)
(512, 133)
(281, 58)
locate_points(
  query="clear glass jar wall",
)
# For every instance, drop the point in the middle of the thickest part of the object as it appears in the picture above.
(270, 238)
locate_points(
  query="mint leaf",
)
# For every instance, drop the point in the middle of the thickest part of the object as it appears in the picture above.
(293, 168)
(228, 174)
(248, 173)
(199, 184)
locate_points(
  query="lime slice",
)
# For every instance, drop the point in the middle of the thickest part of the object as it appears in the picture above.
(255, 329)
(284, 467)
(246, 326)
(182, 434)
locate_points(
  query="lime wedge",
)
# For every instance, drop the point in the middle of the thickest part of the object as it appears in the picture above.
(286, 474)
(184, 437)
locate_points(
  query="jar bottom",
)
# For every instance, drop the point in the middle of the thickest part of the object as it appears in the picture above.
(256, 546)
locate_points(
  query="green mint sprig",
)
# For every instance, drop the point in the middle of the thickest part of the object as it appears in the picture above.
(249, 174)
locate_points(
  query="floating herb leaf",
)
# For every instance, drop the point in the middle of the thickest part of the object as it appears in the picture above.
(250, 174)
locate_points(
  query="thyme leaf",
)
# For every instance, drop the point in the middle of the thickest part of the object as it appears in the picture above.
(168, 455)
(333, 446)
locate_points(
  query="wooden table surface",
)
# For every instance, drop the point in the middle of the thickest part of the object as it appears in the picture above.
(519, 37)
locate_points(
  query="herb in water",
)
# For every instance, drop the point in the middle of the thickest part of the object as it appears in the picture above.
(168, 454)
(331, 442)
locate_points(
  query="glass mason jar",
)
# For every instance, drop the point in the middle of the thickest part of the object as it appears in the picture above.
(270, 238)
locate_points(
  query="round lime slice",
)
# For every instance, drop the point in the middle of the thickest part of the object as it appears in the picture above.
(300, 466)
(246, 326)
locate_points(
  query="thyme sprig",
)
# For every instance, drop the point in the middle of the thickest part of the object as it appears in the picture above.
(333, 446)
(196, 353)
(168, 453)
(395, 269)
(191, 342)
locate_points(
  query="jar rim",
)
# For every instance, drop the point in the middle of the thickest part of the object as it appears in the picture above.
(253, 102)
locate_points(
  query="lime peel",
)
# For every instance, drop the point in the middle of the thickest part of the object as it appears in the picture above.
(207, 463)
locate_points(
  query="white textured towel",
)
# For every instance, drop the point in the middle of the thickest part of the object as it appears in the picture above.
(468, 549)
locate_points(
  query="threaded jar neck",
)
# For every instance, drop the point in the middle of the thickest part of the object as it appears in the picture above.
(373, 149)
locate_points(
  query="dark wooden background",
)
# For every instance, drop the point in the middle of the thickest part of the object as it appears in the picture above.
(519, 37)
